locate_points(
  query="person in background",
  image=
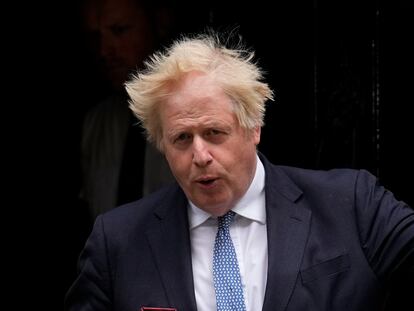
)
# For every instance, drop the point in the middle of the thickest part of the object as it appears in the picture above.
(236, 232)
(117, 165)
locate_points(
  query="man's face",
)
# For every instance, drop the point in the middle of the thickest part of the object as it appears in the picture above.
(119, 32)
(210, 155)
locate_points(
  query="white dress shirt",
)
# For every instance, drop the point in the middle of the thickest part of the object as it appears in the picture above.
(248, 232)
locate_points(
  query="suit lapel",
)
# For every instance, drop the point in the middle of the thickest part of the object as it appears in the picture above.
(288, 227)
(170, 243)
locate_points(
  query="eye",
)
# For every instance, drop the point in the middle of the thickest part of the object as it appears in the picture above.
(213, 132)
(183, 137)
(216, 136)
(119, 29)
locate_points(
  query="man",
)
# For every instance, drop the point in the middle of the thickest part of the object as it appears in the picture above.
(236, 232)
(121, 34)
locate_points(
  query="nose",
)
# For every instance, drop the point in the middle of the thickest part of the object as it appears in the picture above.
(107, 45)
(201, 154)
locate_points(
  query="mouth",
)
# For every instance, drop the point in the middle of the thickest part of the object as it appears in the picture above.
(206, 181)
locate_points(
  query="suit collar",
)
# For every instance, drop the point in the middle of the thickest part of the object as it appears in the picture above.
(288, 221)
(169, 240)
(280, 181)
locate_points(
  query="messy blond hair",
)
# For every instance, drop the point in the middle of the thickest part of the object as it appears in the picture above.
(232, 69)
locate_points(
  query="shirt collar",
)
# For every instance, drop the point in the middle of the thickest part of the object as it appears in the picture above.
(249, 205)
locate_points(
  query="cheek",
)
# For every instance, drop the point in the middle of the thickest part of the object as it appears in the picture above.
(171, 161)
(178, 163)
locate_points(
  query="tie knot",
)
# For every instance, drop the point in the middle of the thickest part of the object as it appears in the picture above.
(225, 220)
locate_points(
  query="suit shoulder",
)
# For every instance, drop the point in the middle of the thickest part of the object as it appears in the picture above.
(338, 177)
(318, 173)
(141, 212)
(339, 185)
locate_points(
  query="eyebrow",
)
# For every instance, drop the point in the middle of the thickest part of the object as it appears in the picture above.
(213, 124)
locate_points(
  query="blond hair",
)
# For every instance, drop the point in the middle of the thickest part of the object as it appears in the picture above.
(233, 69)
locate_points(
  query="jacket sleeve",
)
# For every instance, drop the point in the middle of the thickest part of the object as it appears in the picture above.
(92, 288)
(386, 229)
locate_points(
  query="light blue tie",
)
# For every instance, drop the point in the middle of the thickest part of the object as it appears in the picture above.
(226, 272)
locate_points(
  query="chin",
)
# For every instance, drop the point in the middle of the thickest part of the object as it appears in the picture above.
(216, 209)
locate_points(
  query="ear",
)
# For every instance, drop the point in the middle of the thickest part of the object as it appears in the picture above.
(256, 132)
(160, 146)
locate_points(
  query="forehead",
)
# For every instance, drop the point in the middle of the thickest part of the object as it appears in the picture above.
(109, 11)
(197, 98)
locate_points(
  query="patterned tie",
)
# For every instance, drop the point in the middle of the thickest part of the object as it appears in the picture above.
(226, 273)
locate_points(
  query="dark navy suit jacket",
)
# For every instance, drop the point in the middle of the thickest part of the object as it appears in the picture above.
(336, 240)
